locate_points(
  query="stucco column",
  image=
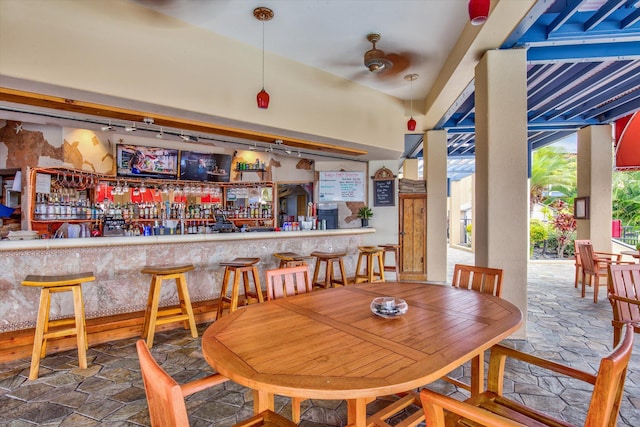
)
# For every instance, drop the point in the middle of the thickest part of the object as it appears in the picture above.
(435, 173)
(501, 218)
(595, 162)
(410, 169)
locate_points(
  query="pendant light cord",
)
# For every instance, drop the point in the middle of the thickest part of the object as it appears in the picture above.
(411, 99)
(263, 54)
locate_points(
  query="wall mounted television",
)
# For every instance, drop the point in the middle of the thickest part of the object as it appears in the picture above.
(146, 162)
(205, 166)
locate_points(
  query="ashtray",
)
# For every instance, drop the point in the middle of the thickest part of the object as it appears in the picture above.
(389, 307)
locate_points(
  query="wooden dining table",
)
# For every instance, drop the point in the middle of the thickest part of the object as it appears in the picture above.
(330, 345)
(635, 254)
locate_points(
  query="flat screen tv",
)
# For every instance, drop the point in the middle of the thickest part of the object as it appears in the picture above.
(205, 166)
(147, 162)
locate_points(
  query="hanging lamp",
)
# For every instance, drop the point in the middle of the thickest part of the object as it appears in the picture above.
(479, 11)
(263, 14)
(411, 124)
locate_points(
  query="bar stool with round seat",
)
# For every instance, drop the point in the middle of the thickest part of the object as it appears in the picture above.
(395, 250)
(290, 259)
(61, 327)
(154, 316)
(370, 255)
(239, 267)
(329, 258)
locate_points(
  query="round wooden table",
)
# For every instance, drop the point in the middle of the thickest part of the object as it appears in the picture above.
(329, 345)
(635, 254)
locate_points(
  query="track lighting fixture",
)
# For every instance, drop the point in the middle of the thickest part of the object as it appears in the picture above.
(287, 151)
(254, 147)
(161, 134)
(299, 153)
(131, 128)
(107, 127)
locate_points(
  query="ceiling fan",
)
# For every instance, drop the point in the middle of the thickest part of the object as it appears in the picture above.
(377, 62)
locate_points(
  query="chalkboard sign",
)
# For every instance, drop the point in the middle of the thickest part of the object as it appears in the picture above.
(341, 187)
(383, 193)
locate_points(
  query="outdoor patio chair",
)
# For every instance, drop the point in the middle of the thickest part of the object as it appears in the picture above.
(491, 408)
(288, 281)
(165, 396)
(624, 296)
(595, 266)
(578, 261)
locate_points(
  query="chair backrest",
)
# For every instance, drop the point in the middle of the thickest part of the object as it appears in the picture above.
(283, 282)
(586, 258)
(164, 395)
(607, 391)
(481, 279)
(625, 282)
(576, 249)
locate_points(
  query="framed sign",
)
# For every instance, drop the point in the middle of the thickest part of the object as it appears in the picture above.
(581, 208)
(384, 185)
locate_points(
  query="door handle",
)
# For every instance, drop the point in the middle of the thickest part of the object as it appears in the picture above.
(401, 233)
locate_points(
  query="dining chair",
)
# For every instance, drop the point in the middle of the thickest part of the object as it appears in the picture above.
(284, 282)
(624, 296)
(492, 408)
(165, 397)
(481, 279)
(288, 281)
(577, 260)
(594, 266)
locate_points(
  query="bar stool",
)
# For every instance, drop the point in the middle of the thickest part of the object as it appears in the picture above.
(370, 254)
(239, 266)
(153, 316)
(395, 250)
(290, 259)
(75, 326)
(329, 279)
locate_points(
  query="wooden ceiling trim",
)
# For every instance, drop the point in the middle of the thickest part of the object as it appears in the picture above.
(117, 113)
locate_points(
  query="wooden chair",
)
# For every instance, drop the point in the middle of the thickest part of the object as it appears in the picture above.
(283, 282)
(576, 258)
(491, 408)
(624, 296)
(165, 397)
(481, 279)
(595, 266)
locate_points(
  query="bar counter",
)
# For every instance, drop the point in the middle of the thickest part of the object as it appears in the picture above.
(116, 262)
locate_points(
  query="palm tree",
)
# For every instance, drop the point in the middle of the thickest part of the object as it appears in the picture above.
(551, 170)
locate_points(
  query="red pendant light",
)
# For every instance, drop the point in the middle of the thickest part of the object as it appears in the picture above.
(263, 14)
(479, 11)
(411, 124)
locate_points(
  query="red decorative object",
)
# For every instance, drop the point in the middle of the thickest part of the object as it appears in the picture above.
(411, 124)
(263, 99)
(479, 11)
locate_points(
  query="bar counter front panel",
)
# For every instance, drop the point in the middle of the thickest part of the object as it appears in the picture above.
(116, 263)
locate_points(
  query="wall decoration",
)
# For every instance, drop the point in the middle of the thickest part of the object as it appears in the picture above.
(581, 208)
(384, 188)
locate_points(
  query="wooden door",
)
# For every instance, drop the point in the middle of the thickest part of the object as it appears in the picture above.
(413, 236)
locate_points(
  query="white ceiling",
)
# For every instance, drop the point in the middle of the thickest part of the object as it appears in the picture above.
(331, 34)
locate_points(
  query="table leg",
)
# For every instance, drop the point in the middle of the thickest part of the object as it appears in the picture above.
(262, 400)
(477, 375)
(357, 412)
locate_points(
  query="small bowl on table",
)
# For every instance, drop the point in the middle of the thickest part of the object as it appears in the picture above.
(389, 307)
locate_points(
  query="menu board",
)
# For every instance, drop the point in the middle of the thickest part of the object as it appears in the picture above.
(341, 187)
(383, 193)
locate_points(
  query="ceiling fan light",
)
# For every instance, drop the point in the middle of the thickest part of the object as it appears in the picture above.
(263, 99)
(479, 11)
(411, 124)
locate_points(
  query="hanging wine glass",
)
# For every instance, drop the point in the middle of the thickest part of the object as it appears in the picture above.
(125, 187)
(143, 189)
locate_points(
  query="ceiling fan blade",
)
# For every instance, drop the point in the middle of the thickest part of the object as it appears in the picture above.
(400, 63)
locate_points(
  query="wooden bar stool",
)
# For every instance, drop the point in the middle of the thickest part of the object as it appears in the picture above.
(329, 279)
(153, 316)
(395, 250)
(74, 326)
(290, 259)
(239, 267)
(370, 254)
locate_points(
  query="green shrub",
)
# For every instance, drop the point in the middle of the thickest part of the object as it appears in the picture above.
(537, 232)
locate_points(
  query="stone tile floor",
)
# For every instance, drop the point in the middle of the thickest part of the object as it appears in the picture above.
(562, 327)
